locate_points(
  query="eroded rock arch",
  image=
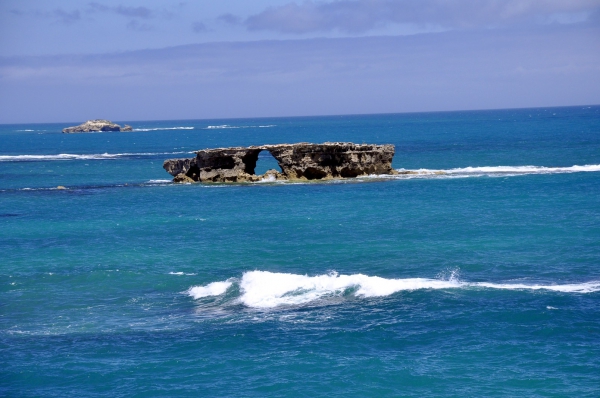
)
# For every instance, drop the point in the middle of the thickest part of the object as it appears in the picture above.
(302, 161)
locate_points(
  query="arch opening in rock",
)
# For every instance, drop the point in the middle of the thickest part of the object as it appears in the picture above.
(265, 161)
(295, 161)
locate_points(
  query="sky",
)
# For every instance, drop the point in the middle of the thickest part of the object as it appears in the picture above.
(69, 61)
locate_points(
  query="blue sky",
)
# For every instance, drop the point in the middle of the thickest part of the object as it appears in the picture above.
(75, 60)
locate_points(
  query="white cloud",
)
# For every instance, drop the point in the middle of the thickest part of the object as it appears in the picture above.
(359, 16)
(445, 71)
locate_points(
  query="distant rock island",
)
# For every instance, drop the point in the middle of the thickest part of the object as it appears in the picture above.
(302, 161)
(96, 125)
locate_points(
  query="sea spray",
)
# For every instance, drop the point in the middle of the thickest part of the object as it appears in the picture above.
(212, 289)
(264, 289)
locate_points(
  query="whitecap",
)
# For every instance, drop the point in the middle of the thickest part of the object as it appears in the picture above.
(587, 287)
(522, 169)
(222, 126)
(264, 289)
(70, 156)
(227, 126)
(484, 171)
(165, 128)
(268, 178)
(212, 289)
(41, 189)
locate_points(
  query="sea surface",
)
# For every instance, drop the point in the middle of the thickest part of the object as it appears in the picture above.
(477, 276)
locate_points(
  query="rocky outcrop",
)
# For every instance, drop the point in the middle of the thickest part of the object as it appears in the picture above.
(301, 161)
(179, 166)
(332, 160)
(97, 125)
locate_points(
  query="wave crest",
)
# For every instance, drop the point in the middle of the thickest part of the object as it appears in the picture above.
(212, 289)
(489, 171)
(227, 126)
(264, 289)
(164, 128)
(71, 156)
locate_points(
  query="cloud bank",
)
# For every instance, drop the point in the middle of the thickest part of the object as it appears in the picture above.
(129, 12)
(55, 27)
(442, 71)
(359, 16)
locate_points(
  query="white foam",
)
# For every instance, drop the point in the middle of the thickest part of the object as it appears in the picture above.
(587, 287)
(268, 178)
(523, 169)
(61, 156)
(70, 156)
(491, 171)
(159, 182)
(212, 289)
(222, 126)
(263, 289)
(165, 128)
(41, 189)
(227, 126)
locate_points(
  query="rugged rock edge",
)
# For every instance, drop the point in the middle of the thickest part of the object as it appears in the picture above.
(302, 161)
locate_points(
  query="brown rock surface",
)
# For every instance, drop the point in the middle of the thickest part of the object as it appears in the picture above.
(302, 161)
(96, 125)
(332, 160)
(179, 166)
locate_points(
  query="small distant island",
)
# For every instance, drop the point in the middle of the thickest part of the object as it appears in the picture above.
(96, 125)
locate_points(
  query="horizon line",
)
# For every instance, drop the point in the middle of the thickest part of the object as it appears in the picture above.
(321, 115)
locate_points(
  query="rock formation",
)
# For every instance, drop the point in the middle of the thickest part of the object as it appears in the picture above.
(301, 161)
(96, 125)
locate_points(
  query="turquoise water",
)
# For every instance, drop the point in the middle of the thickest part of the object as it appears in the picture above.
(466, 279)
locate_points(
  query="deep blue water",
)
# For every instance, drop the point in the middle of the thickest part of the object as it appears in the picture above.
(467, 279)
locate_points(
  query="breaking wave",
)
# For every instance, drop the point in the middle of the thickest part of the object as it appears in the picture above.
(212, 289)
(70, 156)
(263, 289)
(490, 171)
(35, 189)
(227, 126)
(165, 128)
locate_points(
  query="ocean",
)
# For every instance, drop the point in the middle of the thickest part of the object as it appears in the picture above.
(477, 276)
